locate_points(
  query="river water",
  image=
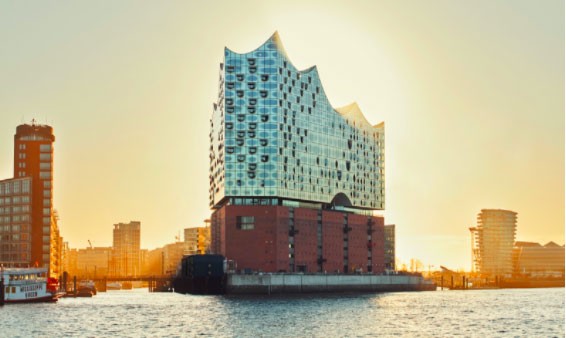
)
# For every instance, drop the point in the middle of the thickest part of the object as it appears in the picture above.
(137, 313)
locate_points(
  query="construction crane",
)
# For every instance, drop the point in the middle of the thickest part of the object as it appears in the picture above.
(89, 243)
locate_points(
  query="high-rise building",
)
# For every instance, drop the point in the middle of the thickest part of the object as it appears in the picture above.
(492, 242)
(294, 182)
(28, 223)
(126, 249)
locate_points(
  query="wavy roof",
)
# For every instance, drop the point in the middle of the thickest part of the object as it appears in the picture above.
(351, 112)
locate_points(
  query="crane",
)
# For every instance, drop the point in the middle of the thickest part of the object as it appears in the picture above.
(89, 243)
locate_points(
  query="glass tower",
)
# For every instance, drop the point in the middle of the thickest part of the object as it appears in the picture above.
(276, 139)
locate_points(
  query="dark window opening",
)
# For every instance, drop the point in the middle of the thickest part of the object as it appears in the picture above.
(245, 222)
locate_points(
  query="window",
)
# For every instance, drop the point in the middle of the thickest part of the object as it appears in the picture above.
(45, 148)
(245, 222)
(44, 157)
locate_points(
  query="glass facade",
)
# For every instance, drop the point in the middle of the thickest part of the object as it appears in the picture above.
(275, 134)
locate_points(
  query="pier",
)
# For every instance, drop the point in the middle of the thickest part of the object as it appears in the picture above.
(320, 283)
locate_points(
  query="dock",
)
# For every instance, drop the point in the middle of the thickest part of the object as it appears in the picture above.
(321, 283)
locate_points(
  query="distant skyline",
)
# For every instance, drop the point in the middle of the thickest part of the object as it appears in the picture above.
(472, 96)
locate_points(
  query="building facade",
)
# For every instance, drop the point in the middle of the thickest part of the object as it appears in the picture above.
(533, 259)
(389, 233)
(28, 222)
(93, 262)
(293, 181)
(197, 240)
(155, 263)
(126, 249)
(15, 222)
(492, 242)
(172, 255)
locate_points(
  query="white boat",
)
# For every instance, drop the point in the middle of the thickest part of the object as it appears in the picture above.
(28, 285)
(113, 286)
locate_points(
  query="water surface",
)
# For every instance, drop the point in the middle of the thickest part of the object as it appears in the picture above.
(137, 313)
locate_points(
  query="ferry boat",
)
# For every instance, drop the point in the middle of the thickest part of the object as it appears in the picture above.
(28, 285)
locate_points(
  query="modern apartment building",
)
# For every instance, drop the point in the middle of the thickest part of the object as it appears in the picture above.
(492, 242)
(126, 249)
(294, 182)
(29, 233)
(15, 222)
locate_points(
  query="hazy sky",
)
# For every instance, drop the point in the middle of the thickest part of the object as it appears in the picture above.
(471, 92)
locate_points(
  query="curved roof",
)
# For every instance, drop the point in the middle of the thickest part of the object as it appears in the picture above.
(350, 112)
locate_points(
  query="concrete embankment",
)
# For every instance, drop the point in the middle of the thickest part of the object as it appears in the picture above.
(297, 283)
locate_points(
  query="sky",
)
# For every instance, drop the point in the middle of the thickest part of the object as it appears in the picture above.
(471, 92)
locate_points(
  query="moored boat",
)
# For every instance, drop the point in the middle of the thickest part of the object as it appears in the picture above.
(88, 285)
(28, 285)
(113, 286)
(84, 292)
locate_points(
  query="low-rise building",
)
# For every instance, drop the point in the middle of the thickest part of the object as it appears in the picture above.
(172, 255)
(533, 259)
(93, 262)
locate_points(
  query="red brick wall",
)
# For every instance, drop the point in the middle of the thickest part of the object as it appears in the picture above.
(266, 247)
(378, 242)
(333, 241)
(305, 238)
(357, 243)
